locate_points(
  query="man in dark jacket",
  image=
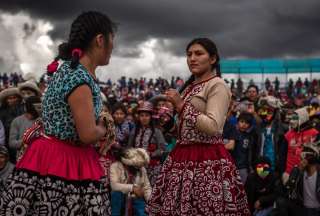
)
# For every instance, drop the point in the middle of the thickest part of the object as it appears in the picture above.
(270, 134)
(307, 191)
(10, 108)
(302, 190)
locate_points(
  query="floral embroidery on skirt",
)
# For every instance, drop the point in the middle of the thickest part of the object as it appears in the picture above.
(203, 187)
(28, 193)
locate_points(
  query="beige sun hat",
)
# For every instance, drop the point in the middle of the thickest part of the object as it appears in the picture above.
(137, 157)
(270, 101)
(30, 85)
(145, 107)
(9, 92)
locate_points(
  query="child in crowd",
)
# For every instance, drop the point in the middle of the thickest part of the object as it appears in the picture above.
(122, 126)
(150, 138)
(129, 182)
(244, 150)
(23, 122)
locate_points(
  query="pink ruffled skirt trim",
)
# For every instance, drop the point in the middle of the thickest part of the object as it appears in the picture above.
(51, 156)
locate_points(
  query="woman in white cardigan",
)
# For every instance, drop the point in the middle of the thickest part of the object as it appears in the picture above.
(129, 182)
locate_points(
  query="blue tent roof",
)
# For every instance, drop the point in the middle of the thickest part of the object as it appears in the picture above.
(248, 66)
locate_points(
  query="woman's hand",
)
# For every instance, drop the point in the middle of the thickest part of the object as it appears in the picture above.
(138, 191)
(174, 97)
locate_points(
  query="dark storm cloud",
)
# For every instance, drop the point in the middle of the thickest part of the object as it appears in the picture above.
(263, 28)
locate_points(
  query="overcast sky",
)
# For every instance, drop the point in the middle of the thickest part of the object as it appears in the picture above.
(152, 34)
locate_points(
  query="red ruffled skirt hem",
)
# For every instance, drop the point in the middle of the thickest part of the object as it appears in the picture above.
(51, 156)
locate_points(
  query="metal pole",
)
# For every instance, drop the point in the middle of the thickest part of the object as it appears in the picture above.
(262, 85)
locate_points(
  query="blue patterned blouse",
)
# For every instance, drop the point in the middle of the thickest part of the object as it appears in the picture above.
(56, 112)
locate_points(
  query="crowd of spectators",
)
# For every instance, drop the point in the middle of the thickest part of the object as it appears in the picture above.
(272, 134)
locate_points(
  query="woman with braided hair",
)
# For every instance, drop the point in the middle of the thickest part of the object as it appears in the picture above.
(199, 176)
(59, 173)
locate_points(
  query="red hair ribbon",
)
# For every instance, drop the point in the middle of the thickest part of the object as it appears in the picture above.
(77, 51)
(52, 67)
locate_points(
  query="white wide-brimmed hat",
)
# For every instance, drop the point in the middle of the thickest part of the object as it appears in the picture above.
(9, 92)
(30, 85)
(137, 157)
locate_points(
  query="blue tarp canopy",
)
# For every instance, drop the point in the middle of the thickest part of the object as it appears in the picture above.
(270, 66)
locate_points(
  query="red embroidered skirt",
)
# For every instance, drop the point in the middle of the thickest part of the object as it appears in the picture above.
(198, 179)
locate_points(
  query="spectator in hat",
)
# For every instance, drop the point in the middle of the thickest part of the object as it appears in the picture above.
(301, 194)
(29, 88)
(23, 122)
(164, 120)
(11, 107)
(147, 136)
(166, 123)
(270, 134)
(158, 101)
(299, 134)
(5, 166)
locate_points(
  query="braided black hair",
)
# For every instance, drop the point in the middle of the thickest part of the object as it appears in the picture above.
(83, 29)
(188, 82)
(211, 48)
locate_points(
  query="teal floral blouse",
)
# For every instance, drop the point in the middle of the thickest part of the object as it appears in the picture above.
(56, 112)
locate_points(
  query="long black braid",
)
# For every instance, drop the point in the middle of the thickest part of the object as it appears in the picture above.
(83, 30)
(187, 83)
